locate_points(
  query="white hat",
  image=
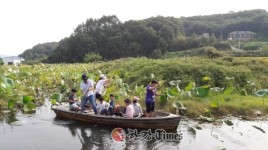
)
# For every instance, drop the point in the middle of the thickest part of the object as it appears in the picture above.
(136, 98)
(102, 76)
(106, 105)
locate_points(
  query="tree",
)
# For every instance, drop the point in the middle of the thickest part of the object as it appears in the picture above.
(204, 41)
(212, 39)
(264, 28)
(92, 57)
(157, 54)
(1, 61)
(112, 39)
(193, 41)
(39, 51)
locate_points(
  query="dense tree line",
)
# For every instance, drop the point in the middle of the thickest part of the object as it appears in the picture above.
(1, 61)
(108, 38)
(112, 39)
(39, 51)
(222, 24)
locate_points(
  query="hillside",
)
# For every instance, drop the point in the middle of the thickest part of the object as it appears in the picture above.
(222, 24)
(107, 38)
(39, 51)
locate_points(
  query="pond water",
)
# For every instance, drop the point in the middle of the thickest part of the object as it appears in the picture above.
(42, 131)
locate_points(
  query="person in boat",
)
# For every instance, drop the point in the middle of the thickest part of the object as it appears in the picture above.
(100, 86)
(117, 111)
(102, 106)
(150, 98)
(72, 101)
(112, 104)
(87, 87)
(137, 107)
(129, 109)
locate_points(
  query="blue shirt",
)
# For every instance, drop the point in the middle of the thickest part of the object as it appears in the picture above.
(111, 103)
(150, 94)
(72, 97)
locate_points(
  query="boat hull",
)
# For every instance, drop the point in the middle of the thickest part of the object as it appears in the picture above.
(167, 121)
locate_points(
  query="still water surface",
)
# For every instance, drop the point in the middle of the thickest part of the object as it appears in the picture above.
(42, 131)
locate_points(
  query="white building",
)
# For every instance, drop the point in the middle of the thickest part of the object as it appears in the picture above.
(206, 35)
(12, 60)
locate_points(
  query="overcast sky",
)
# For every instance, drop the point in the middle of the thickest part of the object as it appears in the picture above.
(25, 23)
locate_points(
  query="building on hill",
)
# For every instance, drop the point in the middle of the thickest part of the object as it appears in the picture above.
(242, 35)
(12, 60)
(206, 35)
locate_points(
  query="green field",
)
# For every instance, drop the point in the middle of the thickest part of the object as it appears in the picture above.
(191, 81)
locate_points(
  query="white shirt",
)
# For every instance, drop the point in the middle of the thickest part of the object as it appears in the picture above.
(137, 109)
(102, 106)
(84, 87)
(100, 86)
(129, 111)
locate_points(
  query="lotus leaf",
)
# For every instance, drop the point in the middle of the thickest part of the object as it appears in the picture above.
(261, 93)
(11, 104)
(178, 105)
(190, 86)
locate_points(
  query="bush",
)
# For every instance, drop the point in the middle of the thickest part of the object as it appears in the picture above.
(1, 61)
(157, 54)
(209, 52)
(222, 46)
(92, 57)
(251, 47)
(230, 59)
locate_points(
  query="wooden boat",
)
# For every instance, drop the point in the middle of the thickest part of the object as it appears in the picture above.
(162, 120)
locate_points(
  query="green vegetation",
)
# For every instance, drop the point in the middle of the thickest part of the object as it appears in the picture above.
(222, 24)
(204, 86)
(155, 36)
(39, 52)
(92, 57)
(1, 61)
(223, 49)
(107, 38)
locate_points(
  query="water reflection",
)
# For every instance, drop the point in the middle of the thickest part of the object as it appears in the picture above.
(99, 137)
(43, 131)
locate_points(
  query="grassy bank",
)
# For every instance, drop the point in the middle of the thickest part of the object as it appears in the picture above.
(239, 78)
(236, 105)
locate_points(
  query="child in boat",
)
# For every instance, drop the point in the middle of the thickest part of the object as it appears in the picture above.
(112, 106)
(102, 106)
(129, 109)
(137, 107)
(117, 111)
(72, 101)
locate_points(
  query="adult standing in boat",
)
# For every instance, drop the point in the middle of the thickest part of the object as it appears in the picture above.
(150, 98)
(87, 87)
(100, 86)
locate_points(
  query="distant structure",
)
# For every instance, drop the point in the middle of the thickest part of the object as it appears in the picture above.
(206, 35)
(242, 35)
(12, 60)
